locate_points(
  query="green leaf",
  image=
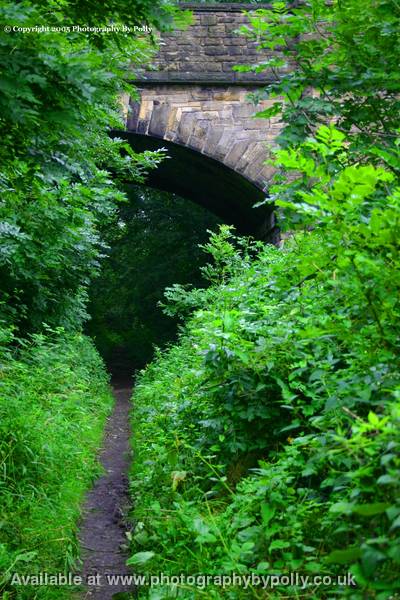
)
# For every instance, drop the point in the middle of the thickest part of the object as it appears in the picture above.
(368, 510)
(345, 508)
(140, 558)
(267, 513)
(373, 419)
(278, 545)
(26, 556)
(370, 559)
(386, 480)
(395, 524)
(272, 111)
(343, 557)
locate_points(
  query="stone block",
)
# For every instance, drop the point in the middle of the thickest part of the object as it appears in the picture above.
(171, 136)
(211, 105)
(235, 50)
(146, 107)
(175, 98)
(142, 126)
(243, 110)
(185, 127)
(159, 119)
(215, 51)
(241, 19)
(242, 164)
(256, 164)
(212, 140)
(235, 40)
(227, 67)
(227, 95)
(191, 107)
(132, 115)
(235, 153)
(199, 134)
(216, 29)
(262, 78)
(226, 113)
(197, 32)
(208, 115)
(223, 146)
(201, 93)
(208, 19)
(212, 67)
(255, 124)
(172, 123)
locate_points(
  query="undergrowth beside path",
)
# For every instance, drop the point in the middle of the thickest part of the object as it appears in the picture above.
(54, 398)
(266, 440)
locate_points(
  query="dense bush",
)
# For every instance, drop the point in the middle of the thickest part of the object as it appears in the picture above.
(268, 437)
(54, 398)
(59, 185)
(331, 61)
(288, 367)
(59, 96)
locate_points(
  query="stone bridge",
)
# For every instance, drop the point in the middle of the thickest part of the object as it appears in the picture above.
(196, 106)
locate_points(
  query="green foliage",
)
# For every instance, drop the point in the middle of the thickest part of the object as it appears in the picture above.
(221, 2)
(200, 418)
(332, 61)
(54, 398)
(268, 437)
(154, 245)
(59, 94)
(288, 367)
(60, 186)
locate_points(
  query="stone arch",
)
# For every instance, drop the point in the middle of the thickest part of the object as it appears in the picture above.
(210, 183)
(193, 102)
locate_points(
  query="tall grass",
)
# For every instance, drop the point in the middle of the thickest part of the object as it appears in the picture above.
(54, 398)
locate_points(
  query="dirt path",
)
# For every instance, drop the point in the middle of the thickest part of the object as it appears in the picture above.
(103, 528)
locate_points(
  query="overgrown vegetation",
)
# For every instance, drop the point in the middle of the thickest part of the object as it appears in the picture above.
(267, 439)
(53, 402)
(58, 96)
(60, 186)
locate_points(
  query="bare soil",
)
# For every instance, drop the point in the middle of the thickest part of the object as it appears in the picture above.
(103, 532)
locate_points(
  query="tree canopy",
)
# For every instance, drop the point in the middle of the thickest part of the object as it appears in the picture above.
(59, 96)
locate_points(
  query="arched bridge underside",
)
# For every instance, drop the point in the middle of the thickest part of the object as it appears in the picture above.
(197, 107)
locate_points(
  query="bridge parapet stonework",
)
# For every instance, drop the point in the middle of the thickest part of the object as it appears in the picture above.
(209, 49)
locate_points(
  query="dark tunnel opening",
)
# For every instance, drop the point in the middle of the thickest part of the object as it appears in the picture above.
(209, 183)
(155, 244)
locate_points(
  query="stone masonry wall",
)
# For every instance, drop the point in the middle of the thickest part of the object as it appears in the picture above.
(208, 49)
(193, 97)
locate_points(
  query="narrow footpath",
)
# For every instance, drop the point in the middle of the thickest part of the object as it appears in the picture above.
(103, 531)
